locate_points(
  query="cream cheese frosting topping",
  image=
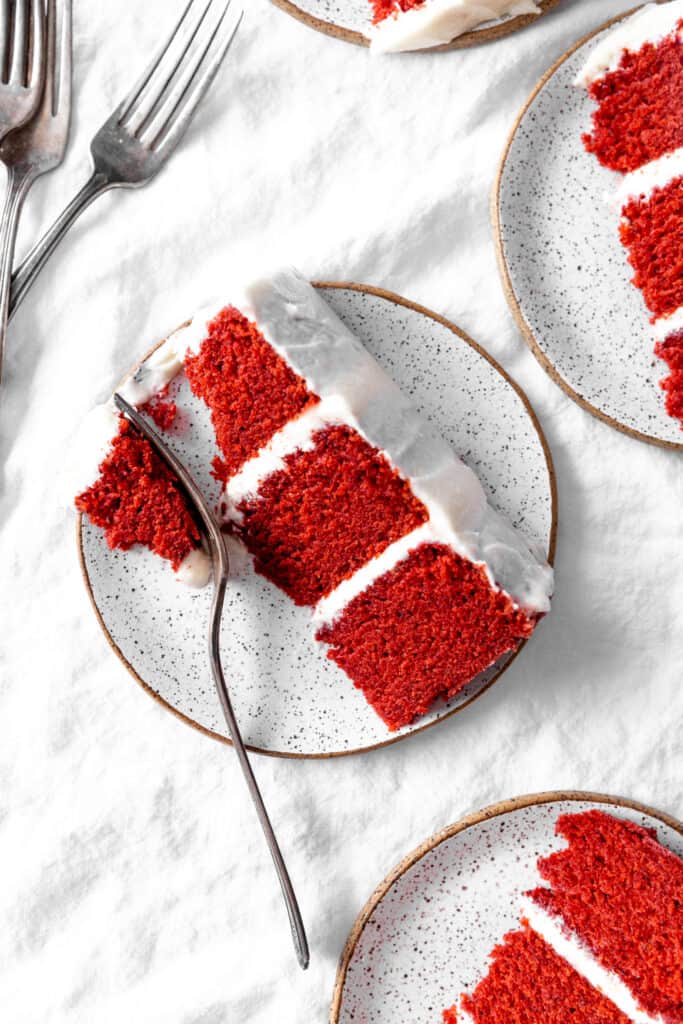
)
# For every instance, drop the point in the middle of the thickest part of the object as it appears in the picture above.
(440, 21)
(651, 24)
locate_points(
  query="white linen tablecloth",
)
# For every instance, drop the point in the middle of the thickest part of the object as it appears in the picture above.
(135, 886)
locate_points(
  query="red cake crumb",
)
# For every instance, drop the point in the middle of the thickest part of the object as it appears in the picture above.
(529, 983)
(384, 8)
(421, 631)
(652, 232)
(136, 501)
(162, 411)
(621, 892)
(250, 391)
(673, 388)
(450, 1016)
(638, 118)
(671, 351)
(326, 513)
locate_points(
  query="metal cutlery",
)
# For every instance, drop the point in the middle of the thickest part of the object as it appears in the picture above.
(219, 557)
(22, 61)
(135, 142)
(38, 146)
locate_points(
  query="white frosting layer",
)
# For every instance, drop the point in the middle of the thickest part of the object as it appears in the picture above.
(440, 21)
(582, 960)
(666, 325)
(355, 390)
(649, 25)
(330, 606)
(641, 183)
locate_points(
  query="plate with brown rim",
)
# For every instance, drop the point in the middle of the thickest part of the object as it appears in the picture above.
(565, 274)
(290, 698)
(350, 19)
(425, 934)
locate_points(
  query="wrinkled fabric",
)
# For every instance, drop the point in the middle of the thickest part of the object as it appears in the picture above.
(135, 882)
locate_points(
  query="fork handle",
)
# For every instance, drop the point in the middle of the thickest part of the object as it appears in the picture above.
(19, 181)
(293, 912)
(27, 272)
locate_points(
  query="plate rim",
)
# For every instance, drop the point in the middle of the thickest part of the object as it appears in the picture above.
(474, 818)
(462, 42)
(503, 270)
(552, 540)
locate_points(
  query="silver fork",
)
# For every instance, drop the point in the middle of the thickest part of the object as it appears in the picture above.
(219, 557)
(138, 138)
(22, 61)
(38, 146)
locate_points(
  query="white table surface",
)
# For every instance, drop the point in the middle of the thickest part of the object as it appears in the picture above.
(135, 884)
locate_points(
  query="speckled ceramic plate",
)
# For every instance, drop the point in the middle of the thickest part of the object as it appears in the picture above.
(565, 272)
(426, 933)
(290, 698)
(349, 20)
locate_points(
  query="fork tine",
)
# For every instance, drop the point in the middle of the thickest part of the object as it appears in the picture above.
(5, 19)
(132, 97)
(38, 56)
(17, 73)
(172, 58)
(174, 117)
(63, 61)
(50, 55)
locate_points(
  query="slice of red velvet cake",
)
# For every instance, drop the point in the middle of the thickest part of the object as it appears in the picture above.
(620, 893)
(348, 502)
(419, 24)
(529, 983)
(635, 75)
(603, 943)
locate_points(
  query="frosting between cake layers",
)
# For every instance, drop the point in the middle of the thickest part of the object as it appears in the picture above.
(668, 325)
(641, 183)
(582, 960)
(649, 25)
(354, 389)
(439, 21)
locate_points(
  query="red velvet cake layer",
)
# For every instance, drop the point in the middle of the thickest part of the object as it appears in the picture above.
(381, 9)
(324, 515)
(136, 501)
(671, 351)
(652, 231)
(621, 892)
(639, 115)
(421, 631)
(529, 983)
(249, 389)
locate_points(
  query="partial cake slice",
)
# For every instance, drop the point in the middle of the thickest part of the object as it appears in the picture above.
(125, 489)
(635, 75)
(603, 943)
(619, 892)
(418, 24)
(348, 501)
(529, 983)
